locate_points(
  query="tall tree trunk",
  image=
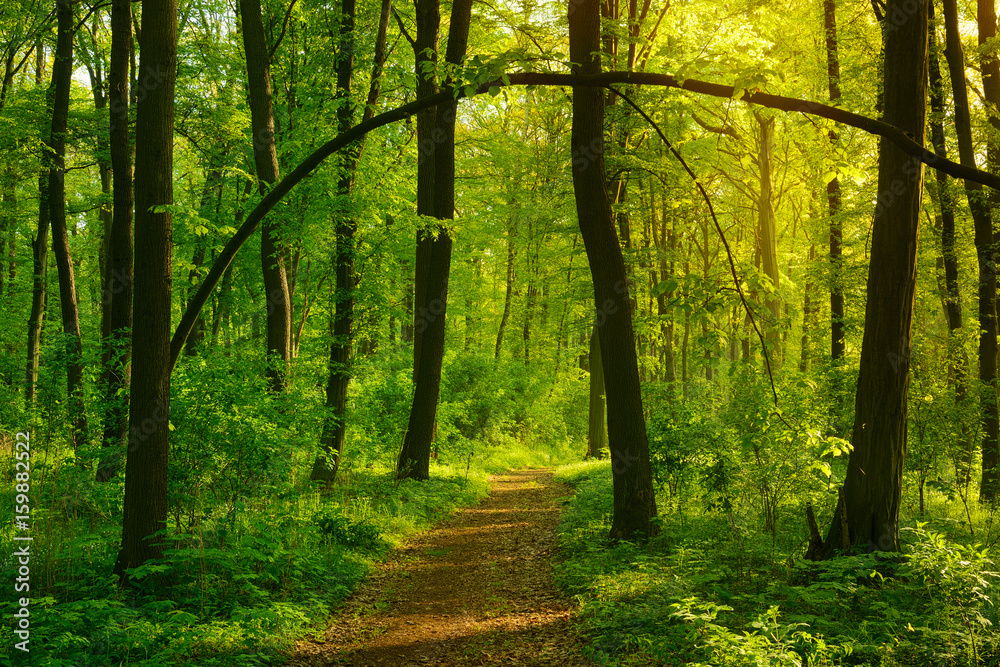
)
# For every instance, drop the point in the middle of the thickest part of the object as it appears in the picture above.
(145, 504)
(118, 276)
(597, 432)
(957, 359)
(531, 293)
(342, 326)
(508, 295)
(425, 48)
(414, 457)
(634, 500)
(666, 244)
(990, 487)
(105, 212)
(39, 259)
(211, 192)
(62, 77)
(873, 486)
(767, 232)
(278, 302)
(809, 308)
(833, 194)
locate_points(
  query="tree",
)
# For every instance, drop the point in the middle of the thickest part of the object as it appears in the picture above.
(414, 457)
(118, 270)
(597, 432)
(634, 499)
(39, 261)
(342, 323)
(62, 76)
(989, 490)
(872, 491)
(276, 296)
(833, 196)
(145, 503)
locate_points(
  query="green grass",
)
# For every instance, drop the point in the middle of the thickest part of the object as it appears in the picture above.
(712, 591)
(245, 581)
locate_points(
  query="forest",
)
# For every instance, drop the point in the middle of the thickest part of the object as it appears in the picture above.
(614, 332)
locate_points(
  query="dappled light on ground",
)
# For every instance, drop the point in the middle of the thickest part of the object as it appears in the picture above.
(476, 590)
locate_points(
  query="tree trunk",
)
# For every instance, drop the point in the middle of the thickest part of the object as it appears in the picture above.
(62, 77)
(39, 259)
(634, 500)
(342, 326)
(833, 194)
(767, 233)
(597, 432)
(873, 485)
(508, 295)
(118, 276)
(990, 486)
(957, 360)
(278, 302)
(145, 504)
(665, 245)
(809, 307)
(211, 192)
(414, 458)
(425, 48)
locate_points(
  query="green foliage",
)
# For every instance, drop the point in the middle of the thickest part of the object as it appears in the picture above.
(708, 592)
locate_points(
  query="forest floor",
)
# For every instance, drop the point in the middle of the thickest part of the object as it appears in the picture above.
(475, 590)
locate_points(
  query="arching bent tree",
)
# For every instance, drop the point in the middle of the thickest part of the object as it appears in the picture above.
(634, 499)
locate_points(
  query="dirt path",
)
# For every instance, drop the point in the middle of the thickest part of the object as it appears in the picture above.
(475, 590)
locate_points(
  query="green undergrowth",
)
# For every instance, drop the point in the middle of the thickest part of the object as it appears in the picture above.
(706, 591)
(235, 589)
(256, 556)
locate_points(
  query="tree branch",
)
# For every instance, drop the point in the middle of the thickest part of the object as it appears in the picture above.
(307, 166)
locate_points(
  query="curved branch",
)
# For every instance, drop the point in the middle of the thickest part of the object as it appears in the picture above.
(870, 125)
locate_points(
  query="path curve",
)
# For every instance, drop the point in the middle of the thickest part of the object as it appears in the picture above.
(475, 590)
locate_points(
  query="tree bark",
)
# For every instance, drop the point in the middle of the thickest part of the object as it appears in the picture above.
(118, 276)
(957, 359)
(767, 233)
(809, 308)
(989, 490)
(145, 504)
(342, 326)
(833, 197)
(211, 191)
(39, 260)
(414, 458)
(634, 500)
(62, 77)
(277, 300)
(508, 295)
(425, 48)
(873, 485)
(597, 432)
